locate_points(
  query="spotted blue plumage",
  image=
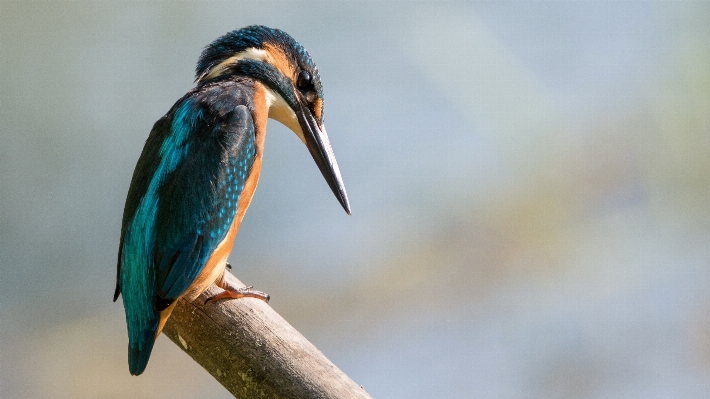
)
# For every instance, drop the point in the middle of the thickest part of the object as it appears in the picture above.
(182, 201)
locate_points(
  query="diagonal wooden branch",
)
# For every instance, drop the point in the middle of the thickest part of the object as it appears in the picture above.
(254, 352)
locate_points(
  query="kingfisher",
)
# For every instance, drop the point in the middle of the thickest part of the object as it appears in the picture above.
(198, 171)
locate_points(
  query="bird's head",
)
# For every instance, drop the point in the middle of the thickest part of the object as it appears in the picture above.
(294, 91)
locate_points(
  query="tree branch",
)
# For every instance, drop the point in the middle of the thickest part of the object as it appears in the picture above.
(253, 352)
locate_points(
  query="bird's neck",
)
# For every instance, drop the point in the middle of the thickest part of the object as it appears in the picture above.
(260, 116)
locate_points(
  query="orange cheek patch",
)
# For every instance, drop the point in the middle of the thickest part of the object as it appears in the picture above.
(278, 59)
(318, 109)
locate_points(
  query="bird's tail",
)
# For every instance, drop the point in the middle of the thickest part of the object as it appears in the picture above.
(140, 346)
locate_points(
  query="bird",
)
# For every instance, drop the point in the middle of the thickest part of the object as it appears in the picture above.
(198, 170)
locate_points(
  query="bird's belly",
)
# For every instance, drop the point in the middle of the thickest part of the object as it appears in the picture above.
(215, 264)
(213, 270)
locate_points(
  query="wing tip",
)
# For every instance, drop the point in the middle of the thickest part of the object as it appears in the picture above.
(117, 292)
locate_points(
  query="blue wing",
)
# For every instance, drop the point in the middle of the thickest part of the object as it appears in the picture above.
(182, 200)
(198, 202)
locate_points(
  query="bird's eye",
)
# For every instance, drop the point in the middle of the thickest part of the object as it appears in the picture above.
(304, 80)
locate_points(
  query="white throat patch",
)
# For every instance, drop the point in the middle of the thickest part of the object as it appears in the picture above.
(280, 111)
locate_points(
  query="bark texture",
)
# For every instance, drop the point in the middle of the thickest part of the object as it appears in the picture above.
(253, 352)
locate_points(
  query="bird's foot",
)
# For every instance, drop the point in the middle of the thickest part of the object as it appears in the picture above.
(232, 292)
(229, 267)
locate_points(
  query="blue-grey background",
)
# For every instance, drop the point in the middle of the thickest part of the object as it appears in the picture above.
(530, 189)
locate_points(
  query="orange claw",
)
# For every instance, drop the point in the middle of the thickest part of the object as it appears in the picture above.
(232, 292)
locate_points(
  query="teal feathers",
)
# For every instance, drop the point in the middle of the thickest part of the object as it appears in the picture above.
(180, 206)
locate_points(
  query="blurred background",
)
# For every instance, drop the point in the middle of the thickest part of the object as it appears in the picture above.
(530, 185)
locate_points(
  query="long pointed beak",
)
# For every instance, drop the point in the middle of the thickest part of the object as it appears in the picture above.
(319, 147)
